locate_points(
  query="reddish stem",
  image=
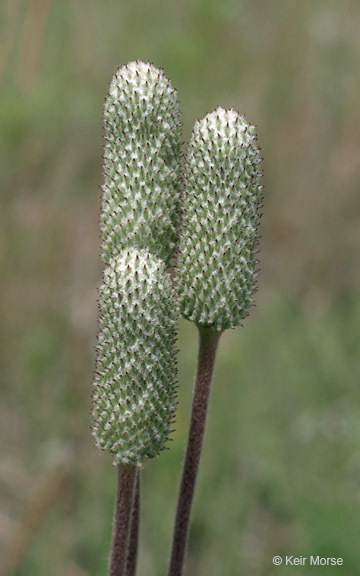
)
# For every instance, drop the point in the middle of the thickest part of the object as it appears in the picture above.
(134, 531)
(208, 341)
(122, 518)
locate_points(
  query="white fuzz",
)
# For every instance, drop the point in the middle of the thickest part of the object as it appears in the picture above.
(222, 199)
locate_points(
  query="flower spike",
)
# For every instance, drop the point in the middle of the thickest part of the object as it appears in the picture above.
(140, 203)
(218, 262)
(134, 398)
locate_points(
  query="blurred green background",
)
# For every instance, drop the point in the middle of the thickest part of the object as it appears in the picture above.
(280, 472)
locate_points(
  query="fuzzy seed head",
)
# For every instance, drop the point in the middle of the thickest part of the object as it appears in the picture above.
(140, 202)
(134, 397)
(218, 244)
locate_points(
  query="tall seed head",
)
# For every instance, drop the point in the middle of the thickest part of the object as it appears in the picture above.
(222, 198)
(134, 386)
(140, 203)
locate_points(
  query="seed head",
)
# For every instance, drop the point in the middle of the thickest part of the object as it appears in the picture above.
(134, 397)
(218, 244)
(140, 202)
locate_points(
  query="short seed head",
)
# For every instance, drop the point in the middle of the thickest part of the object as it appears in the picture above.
(140, 203)
(134, 397)
(218, 245)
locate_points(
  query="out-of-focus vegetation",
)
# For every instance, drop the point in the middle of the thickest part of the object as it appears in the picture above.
(281, 465)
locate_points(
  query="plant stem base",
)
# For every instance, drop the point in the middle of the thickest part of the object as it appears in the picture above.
(122, 519)
(208, 342)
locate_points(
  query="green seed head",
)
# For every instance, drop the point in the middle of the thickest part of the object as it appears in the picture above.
(134, 387)
(140, 203)
(218, 245)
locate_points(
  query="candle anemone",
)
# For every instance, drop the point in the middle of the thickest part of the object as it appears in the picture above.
(134, 396)
(217, 266)
(218, 263)
(140, 202)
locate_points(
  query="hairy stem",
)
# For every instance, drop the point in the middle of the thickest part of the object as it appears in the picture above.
(122, 518)
(208, 341)
(134, 531)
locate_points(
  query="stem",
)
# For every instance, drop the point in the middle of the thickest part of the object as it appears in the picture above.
(134, 531)
(122, 518)
(208, 341)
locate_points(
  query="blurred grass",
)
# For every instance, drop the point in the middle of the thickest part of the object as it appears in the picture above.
(281, 464)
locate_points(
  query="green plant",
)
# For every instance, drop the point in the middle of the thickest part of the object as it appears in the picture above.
(134, 386)
(142, 161)
(217, 265)
(133, 399)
